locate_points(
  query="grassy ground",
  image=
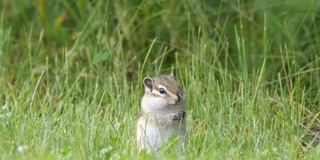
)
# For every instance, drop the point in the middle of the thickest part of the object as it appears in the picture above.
(71, 76)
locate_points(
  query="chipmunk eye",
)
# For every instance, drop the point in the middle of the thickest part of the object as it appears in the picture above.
(162, 91)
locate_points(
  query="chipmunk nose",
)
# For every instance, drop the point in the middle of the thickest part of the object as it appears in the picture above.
(179, 98)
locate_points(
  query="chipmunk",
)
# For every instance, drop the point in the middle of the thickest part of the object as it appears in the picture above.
(162, 112)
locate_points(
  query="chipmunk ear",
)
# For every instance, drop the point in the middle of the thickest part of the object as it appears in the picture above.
(148, 82)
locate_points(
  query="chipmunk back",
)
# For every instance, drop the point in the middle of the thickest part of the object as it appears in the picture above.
(162, 112)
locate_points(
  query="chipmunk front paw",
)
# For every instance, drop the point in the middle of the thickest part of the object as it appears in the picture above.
(179, 116)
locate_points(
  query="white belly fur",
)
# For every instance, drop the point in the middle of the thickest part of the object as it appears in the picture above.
(153, 133)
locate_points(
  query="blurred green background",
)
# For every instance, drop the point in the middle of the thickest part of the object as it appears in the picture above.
(101, 34)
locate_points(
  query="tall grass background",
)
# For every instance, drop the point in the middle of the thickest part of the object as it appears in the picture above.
(71, 76)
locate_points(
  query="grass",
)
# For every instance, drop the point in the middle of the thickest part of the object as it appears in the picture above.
(71, 77)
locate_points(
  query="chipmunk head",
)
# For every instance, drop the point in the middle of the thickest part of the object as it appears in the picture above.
(163, 90)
